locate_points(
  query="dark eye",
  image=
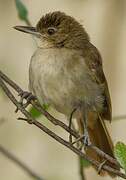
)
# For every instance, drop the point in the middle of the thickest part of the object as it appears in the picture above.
(51, 30)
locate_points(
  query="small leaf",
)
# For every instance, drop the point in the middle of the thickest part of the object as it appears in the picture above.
(45, 106)
(120, 154)
(22, 10)
(84, 163)
(35, 113)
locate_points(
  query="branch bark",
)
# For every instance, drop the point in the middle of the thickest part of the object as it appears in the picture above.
(5, 80)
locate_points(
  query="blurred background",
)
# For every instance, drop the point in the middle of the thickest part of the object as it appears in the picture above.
(105, 22)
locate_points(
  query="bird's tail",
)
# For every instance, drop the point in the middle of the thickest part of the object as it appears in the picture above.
(99, 137)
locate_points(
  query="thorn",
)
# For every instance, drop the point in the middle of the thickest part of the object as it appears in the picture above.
(77, 140)
(20, 118)
(101, 165)
(29, 121)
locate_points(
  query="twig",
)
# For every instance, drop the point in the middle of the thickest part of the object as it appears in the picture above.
(55, 121)
(30, 119)
(18, 162)
(105, 156)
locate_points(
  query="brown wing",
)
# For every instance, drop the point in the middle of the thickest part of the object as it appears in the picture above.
(94, 63)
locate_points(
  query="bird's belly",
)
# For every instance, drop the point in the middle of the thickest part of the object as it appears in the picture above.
(57, 90)
(53, 82)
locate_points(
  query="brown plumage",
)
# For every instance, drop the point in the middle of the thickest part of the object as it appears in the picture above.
(66, 72)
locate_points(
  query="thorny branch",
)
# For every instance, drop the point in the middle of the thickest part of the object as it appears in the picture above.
(5, 80)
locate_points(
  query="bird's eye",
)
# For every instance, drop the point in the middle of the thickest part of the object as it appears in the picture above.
(51, 30)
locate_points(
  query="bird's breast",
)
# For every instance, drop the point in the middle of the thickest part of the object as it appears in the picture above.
(61, 78)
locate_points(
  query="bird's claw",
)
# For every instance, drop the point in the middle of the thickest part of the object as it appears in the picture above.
(86, 139)
(25, 96)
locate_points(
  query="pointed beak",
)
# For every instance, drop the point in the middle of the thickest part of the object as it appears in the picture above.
(28, 29)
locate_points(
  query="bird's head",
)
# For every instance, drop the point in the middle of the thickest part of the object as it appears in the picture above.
(58, 30)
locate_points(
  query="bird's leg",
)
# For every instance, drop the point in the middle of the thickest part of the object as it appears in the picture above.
(86, 138)
(70, 124)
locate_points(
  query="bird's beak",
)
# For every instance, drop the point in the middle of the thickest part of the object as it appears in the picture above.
(28, 29)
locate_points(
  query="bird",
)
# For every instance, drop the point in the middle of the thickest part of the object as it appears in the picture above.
(66, 72)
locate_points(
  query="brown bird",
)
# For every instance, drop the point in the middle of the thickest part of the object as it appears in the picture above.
(66, 72)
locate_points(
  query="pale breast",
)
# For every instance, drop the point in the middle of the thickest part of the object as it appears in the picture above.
(61, 78)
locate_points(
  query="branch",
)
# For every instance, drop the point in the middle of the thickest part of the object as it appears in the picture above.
(31, 120)
(56, 121)
(19, 163)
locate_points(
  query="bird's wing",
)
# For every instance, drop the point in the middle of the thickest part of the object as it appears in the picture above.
(94, 63)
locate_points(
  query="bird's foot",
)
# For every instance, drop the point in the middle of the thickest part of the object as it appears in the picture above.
(25, 96)
(86, 139)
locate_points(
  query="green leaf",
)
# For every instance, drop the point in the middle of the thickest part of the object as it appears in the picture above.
(35, 113)
(22, 10)
(45, 106)
(120, 154)
(84, 163)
